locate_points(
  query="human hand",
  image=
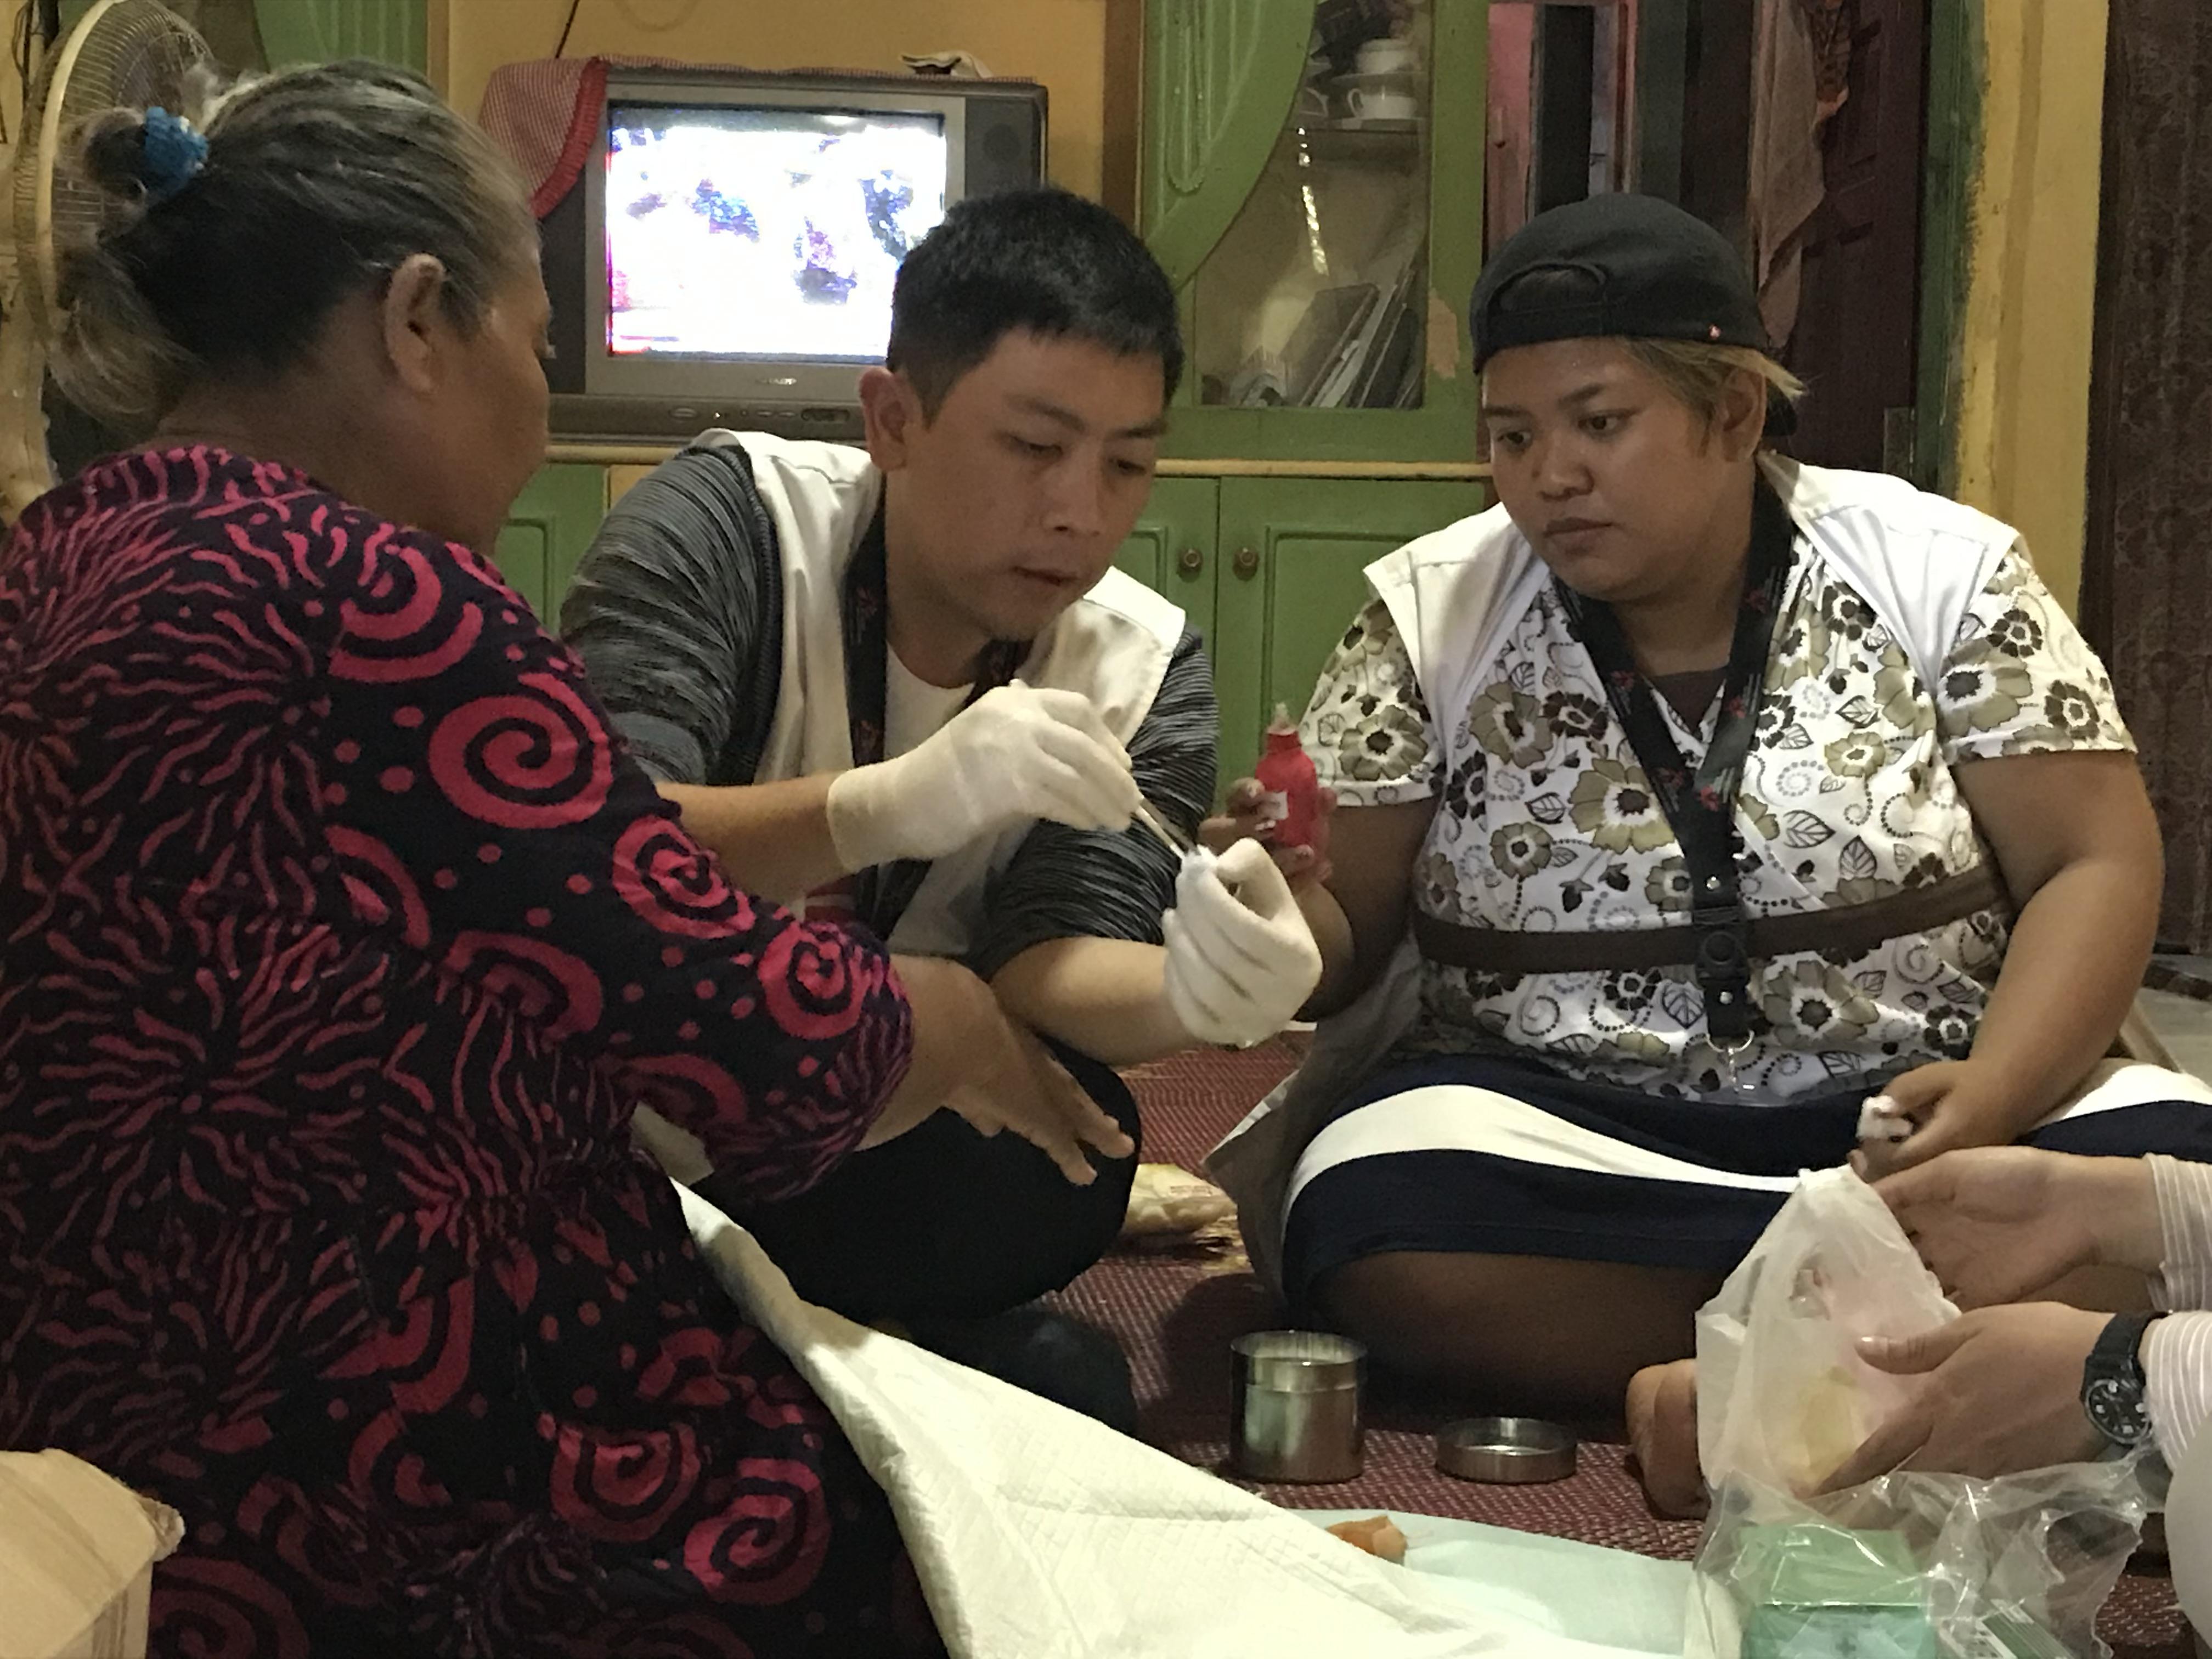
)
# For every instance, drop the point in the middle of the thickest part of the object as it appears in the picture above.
(1997, 1224)
(2000, 1391)
(1244, 818)
(1015, 755)
(1950, 1105)
(1241, 960)
(1017, 1084)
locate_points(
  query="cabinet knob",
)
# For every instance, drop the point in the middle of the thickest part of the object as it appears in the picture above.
(1190, 561)
(1246, 564)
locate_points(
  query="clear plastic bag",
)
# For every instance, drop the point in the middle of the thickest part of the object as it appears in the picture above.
(1906, 1566)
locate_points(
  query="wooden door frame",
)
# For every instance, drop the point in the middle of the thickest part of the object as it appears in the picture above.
(1957, 72)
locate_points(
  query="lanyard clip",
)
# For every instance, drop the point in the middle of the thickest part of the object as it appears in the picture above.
(1723, 965)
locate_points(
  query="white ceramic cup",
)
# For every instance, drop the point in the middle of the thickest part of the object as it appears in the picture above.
(1387, 56)
(1381, 104)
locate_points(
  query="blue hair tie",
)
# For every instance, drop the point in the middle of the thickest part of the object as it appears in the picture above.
(169, 156)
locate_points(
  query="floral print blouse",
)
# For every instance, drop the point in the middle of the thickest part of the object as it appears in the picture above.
(1547, 824)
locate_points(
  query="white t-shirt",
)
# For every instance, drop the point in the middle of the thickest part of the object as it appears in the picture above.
(913, 709)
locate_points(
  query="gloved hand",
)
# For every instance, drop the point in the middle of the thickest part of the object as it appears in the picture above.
(1014, 755)
(1240, 963)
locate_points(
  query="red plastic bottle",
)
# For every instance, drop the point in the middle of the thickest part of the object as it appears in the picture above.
(1292, 807)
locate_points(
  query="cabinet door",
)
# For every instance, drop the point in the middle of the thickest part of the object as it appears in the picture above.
(1219, 75)
(1323, 315)
(1291, 552)
(550, 524)
(318, 31)
(1171, 549)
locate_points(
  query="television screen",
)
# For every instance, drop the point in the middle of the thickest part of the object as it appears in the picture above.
(764, 232)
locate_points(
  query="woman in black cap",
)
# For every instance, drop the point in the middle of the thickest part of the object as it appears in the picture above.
(1735, 809)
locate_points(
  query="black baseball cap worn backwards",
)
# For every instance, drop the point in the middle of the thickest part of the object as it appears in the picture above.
(1622, 266)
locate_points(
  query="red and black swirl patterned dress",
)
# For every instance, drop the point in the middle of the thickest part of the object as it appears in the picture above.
(338, 941)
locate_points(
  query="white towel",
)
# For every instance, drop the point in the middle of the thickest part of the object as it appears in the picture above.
(1038, 1533)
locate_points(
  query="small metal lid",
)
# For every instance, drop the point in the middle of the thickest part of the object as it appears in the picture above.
(1298, 1362)
(1510, 1451)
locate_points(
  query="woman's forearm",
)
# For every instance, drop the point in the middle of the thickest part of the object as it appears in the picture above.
(772, 838)
(2077, 956)
(951, 1009)
(1343, 975)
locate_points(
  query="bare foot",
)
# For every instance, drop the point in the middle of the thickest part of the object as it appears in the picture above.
(1662, 1436)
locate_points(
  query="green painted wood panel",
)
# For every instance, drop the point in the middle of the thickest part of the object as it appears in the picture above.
(1219, 75)
(547, 532)
(1291, 552)
(1171, 549)
(316, 31)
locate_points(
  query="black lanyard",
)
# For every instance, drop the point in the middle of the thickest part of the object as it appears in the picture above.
(881, 895)
(1701, 806)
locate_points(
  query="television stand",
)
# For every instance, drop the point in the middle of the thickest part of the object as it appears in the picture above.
(576, 419)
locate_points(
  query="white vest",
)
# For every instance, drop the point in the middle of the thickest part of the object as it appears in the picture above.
(1113, 644)
(1455, 596)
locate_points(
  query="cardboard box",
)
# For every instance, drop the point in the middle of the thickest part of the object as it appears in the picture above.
(76, 1559)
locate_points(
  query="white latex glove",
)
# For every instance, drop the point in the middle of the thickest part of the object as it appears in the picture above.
(1013, 755)
(1241, 962)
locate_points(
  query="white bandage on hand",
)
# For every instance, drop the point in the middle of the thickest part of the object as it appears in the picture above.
(1013, 755)
(1882, 1119)
(1241, 963)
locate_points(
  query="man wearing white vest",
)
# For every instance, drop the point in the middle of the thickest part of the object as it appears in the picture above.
(906, 686)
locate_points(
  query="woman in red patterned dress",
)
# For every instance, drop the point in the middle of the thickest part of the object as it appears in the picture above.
(338, 941)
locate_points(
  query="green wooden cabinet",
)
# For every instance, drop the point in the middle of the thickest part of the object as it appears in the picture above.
(1308, 226)
(1269, 570)
(1291, 555)
(1171, 549)
(547, 532)
(1324, 252)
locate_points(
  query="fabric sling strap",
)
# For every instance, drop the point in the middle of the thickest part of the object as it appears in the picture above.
(1700, 806)
(1849, 930)
(881, 895)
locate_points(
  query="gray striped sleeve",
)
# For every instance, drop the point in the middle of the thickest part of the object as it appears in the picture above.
(1077, 884)
(670, 610)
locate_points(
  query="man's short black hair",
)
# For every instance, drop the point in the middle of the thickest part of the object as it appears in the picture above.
(1043, 260)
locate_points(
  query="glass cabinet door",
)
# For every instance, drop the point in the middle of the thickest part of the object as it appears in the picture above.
(1313, 183)
(1315, 297)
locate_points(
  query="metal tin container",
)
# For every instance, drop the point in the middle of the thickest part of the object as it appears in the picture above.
(1510, 1451)
(1296, 1413)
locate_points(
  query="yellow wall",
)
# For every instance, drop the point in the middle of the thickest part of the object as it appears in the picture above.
(2023, 429)
(1061, 43)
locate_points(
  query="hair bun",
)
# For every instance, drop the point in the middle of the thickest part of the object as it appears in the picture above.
(146, 158)
(170, 154)
(113, 150)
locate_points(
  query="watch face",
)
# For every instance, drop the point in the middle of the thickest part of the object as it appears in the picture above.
(2117, 1411)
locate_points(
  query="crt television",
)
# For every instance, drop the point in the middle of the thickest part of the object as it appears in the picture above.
(727, 257)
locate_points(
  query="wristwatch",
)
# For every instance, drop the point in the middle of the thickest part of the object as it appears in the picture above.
(2113, 1381)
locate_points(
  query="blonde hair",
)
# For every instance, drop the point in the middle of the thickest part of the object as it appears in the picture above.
(1697, 373)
